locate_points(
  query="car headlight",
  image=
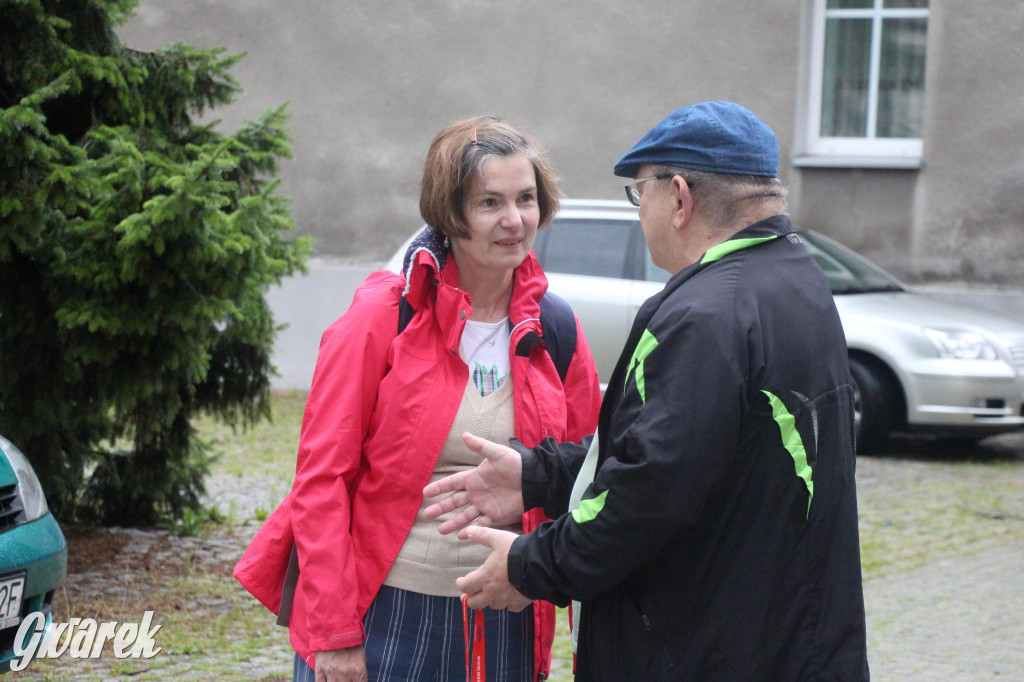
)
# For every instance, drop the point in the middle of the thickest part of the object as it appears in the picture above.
(962, 345)
(33, 500)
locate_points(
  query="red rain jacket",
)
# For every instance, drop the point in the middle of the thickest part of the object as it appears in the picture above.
(379, 410)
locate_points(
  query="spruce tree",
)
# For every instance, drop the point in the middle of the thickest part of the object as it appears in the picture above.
(136, 249)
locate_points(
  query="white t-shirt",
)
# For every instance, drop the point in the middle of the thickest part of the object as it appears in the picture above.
(485, 348)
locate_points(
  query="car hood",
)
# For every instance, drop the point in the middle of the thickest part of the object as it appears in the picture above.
(905, 308)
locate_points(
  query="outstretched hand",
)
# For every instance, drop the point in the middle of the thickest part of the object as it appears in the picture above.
(491, 494)
(488, 586)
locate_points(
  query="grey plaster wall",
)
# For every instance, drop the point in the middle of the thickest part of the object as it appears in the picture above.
(869, 210)
(970, 203)
(370, 83)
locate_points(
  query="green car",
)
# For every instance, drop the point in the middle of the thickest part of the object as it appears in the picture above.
(33, 552)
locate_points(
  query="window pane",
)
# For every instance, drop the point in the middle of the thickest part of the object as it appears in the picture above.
(851, 4)
(581, 247)
(906, 4)
(844, 106)
(901, 81)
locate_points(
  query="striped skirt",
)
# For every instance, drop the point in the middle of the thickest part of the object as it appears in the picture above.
(412, 637)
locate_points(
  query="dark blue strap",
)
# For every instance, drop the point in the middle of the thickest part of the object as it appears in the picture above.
(558, 325)
(405, 313)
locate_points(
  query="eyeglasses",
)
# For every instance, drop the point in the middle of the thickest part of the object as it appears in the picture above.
(633, 192)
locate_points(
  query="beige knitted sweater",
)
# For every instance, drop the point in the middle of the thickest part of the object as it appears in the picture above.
(429, 562)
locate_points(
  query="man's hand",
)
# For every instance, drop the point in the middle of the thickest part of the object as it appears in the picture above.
(341, 665)
(491, 493)
(488, 585)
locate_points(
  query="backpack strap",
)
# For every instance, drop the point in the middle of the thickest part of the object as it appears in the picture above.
(558, 326)
(405, 313)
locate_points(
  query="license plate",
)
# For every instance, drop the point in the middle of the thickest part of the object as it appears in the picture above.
(10, 600)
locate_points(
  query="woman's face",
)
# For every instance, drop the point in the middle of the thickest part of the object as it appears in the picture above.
(502, 213)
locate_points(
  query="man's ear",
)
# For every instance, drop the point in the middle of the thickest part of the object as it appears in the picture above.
(683, 202)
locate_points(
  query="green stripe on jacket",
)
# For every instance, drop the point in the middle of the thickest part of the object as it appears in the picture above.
(793, 443)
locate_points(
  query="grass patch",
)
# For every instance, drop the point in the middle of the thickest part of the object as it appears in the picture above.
(268, 449)
(914, 513)
(210, 627)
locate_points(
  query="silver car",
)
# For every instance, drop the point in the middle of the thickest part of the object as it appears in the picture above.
(918, 363)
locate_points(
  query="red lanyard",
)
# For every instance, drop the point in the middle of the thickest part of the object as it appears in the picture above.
(475, 670)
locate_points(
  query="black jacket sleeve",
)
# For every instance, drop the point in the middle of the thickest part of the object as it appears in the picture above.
(549, 471)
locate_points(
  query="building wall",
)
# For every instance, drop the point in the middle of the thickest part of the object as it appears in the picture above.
(370, 83)
(960, 216)
(969, 218)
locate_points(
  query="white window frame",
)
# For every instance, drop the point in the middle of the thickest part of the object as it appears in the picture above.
(856, 152)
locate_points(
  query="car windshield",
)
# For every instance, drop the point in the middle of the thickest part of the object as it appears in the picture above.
(847, 272)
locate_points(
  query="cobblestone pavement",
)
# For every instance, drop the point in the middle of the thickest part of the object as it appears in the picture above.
(959, 617)
(956, 619)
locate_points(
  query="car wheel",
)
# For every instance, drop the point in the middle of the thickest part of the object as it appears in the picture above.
(874, 406)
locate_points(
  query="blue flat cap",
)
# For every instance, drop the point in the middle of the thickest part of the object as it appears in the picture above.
(716, 137)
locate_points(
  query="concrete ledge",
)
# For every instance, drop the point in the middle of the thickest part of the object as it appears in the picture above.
(308, 304)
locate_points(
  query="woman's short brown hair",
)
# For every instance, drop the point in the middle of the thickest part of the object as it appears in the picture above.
(456, 158)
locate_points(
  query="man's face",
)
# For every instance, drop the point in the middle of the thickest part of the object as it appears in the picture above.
(656, 209)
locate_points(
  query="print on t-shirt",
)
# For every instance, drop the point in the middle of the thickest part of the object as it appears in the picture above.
(487, 380)
(485, 347)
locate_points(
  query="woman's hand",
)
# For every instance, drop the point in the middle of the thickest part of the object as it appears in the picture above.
(341, 665)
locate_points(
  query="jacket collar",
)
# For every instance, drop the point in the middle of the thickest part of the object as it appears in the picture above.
(429, 272)
(424, 260)
(758, 233)
(749, 237)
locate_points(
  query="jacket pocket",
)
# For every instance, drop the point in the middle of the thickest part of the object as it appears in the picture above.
(656, 663)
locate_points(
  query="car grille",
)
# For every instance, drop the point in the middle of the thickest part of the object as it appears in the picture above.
(10, 507)
(1016, 347)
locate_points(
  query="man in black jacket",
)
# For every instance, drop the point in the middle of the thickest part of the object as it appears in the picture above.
(712, 531)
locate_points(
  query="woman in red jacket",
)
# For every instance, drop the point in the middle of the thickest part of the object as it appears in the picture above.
(375, 596)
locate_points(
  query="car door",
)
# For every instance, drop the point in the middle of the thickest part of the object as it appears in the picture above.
(597, 265)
